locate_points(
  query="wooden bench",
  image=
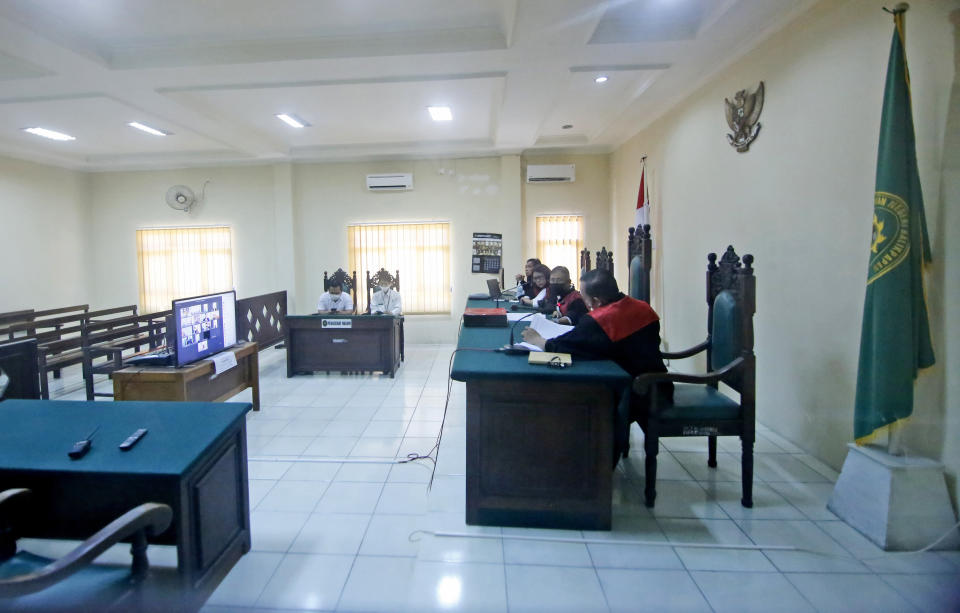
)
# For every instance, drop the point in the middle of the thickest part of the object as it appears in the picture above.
(60, 342)
(109, 339)
(15, 317)
(19, 321)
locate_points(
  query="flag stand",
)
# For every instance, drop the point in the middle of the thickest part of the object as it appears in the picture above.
(900, 503)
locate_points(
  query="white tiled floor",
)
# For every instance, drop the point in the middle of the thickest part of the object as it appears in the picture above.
(341, 535)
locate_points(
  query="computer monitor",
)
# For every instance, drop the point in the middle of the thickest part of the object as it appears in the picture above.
(204, 325)
(494, 286)
(18, 361)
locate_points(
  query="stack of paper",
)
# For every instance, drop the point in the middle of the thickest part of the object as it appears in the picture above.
(546, 328)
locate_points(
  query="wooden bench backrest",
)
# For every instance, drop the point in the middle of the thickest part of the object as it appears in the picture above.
(151, 326)
(15, 317)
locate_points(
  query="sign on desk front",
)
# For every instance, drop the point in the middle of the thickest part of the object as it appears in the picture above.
(336, 323)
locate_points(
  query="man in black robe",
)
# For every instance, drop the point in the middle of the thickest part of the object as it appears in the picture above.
(618, 328)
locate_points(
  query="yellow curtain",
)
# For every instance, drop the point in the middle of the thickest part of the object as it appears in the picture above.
(420, 251)
(559, 241)
(182, 262)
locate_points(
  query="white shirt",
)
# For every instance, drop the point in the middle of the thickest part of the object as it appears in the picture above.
(540, 297)
(389, 303)
(341, 302)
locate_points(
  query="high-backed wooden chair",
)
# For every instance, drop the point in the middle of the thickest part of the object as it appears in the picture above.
(605, 260)
(345, 281)
(374, 281)
(377, 278)
(30, 582)
(639, 262)
(584, 261)
(698, 407)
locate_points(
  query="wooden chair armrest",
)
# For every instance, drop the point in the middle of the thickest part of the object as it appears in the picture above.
(643, 382)
(686, 353)
(149, 519)
(13, 494)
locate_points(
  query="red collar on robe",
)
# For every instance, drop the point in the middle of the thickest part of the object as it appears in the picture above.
(620, 319)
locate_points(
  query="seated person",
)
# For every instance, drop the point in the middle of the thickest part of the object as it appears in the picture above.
(618, 328)
(385, 300)
(334, 300)
(540, 279)
(570, 306)
(525, 286)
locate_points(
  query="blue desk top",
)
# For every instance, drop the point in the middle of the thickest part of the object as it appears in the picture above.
(37, 434)
(489, 365)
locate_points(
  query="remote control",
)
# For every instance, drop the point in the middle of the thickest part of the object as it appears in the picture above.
(80, 449)
(132, 439)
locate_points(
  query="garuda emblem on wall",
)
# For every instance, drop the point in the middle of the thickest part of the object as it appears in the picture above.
(742, 117)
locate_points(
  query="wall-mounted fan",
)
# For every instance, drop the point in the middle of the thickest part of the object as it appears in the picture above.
(182, 198)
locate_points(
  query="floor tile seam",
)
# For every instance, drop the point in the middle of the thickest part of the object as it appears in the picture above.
(596, 573)
(269, 579)
(853, 555)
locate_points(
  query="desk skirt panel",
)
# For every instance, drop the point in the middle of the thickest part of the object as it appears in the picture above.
(539, 457)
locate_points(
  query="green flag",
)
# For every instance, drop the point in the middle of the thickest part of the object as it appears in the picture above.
(895, 339)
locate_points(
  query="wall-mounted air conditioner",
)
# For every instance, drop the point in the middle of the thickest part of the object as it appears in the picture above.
(551, 173)
(387, 183)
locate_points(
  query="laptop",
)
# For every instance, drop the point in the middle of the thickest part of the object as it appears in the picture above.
(493, 286)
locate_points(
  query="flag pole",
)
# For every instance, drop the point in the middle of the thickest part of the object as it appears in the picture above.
(894, 430)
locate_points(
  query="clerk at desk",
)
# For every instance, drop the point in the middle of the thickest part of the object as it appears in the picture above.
(334, 300)
(385, 301)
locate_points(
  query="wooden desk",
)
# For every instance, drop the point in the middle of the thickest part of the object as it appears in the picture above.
(342, 342)
(193, 458)
(193, 382)
(540, 441)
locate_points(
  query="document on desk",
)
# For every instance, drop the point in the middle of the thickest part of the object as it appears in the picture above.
(546, 328)
(222, 362)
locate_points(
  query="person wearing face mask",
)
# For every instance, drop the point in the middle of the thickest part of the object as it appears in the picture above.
(569, 304)
(540, 279)
(334, 300)
(385, 301)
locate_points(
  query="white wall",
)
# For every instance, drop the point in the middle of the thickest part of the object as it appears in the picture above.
(800, 200)
(588, 195)
(474, 195)
(43, 250)
(123, 202)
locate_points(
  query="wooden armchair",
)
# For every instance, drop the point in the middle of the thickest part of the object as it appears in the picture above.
(640, 260)
(30, 582)
(584, 261)
(394, 281)
(347, 282)
(698, 408)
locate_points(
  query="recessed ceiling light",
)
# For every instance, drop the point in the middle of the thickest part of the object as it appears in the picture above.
(292, 120)
(440, 113)
(51, 134)
(601, 79)
(148, 129)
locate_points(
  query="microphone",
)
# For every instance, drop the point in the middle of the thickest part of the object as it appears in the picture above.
(509, 348)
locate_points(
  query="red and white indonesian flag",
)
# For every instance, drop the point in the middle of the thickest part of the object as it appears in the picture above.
(642, 216)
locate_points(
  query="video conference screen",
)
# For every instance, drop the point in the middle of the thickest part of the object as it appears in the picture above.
(204, 325)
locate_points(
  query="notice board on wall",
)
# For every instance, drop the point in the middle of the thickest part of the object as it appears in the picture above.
(487, 252)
